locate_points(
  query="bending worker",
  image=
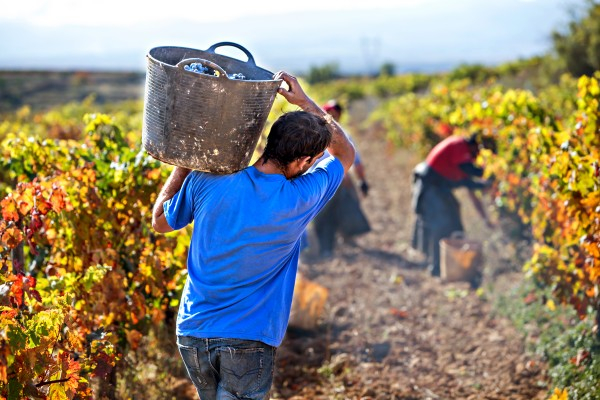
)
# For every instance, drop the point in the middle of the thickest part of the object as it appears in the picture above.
(449, 165)
(343, 214)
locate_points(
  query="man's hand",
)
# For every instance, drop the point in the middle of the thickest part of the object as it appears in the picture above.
(295, 94)
(364, 188)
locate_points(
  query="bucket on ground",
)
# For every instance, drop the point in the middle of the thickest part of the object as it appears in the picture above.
(203, 121)
(461, 259)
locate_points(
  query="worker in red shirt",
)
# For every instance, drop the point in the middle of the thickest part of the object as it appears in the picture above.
(449, 165)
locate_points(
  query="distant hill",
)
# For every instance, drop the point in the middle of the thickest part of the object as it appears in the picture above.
(42, 89)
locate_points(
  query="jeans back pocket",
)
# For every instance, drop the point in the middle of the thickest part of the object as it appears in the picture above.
(242, 370)
(193, 366)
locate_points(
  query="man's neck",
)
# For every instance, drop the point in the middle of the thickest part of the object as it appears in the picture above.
(268, 167)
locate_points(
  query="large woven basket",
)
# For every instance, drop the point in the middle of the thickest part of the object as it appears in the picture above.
(204, 122)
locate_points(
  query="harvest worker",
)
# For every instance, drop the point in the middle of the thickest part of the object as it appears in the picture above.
(343, 213)
(449, 165)
(245, 244)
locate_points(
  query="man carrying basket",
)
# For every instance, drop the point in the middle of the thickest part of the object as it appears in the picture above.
(244, 250)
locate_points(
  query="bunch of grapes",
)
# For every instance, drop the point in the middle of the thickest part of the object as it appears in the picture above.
(198, 68)
(239, 76)
(201, 69)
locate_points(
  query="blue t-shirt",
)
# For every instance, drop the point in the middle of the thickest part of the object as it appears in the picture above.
(243, 254)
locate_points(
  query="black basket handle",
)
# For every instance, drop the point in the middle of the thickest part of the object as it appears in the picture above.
(251, 61)
(202, 61)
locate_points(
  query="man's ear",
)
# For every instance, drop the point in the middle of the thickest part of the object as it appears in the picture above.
(302, 161)
(295, 167)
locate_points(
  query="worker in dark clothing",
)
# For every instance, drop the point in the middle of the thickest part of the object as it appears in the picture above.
(449, 165)
(343, 215)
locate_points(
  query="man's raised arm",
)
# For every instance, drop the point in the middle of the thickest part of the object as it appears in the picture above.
(340, 147)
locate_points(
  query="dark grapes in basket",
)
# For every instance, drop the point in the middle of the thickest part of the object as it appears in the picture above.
(201, 69)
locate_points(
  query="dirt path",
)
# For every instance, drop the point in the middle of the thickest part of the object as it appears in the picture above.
(390, 331)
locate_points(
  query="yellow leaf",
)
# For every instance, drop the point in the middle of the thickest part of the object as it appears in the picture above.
(57, 392)
(9, 209)
(551, 305)
(130, 240)
(562, 137)
(51, 234)
(559, 394)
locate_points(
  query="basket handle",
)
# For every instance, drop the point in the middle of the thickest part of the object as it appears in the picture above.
(251, 61)
(202, 61)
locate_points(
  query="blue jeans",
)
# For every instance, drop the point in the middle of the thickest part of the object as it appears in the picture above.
(228, 368)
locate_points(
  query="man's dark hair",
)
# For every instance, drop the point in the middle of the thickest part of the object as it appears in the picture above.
(294, 135)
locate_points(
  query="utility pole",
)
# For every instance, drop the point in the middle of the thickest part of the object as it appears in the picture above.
(371, 47)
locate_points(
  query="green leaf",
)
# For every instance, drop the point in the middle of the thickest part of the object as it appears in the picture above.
(15, 389)
(16, 338)
(94, 275)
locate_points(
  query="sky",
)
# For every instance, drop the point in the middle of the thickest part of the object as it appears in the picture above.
(359, 36)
